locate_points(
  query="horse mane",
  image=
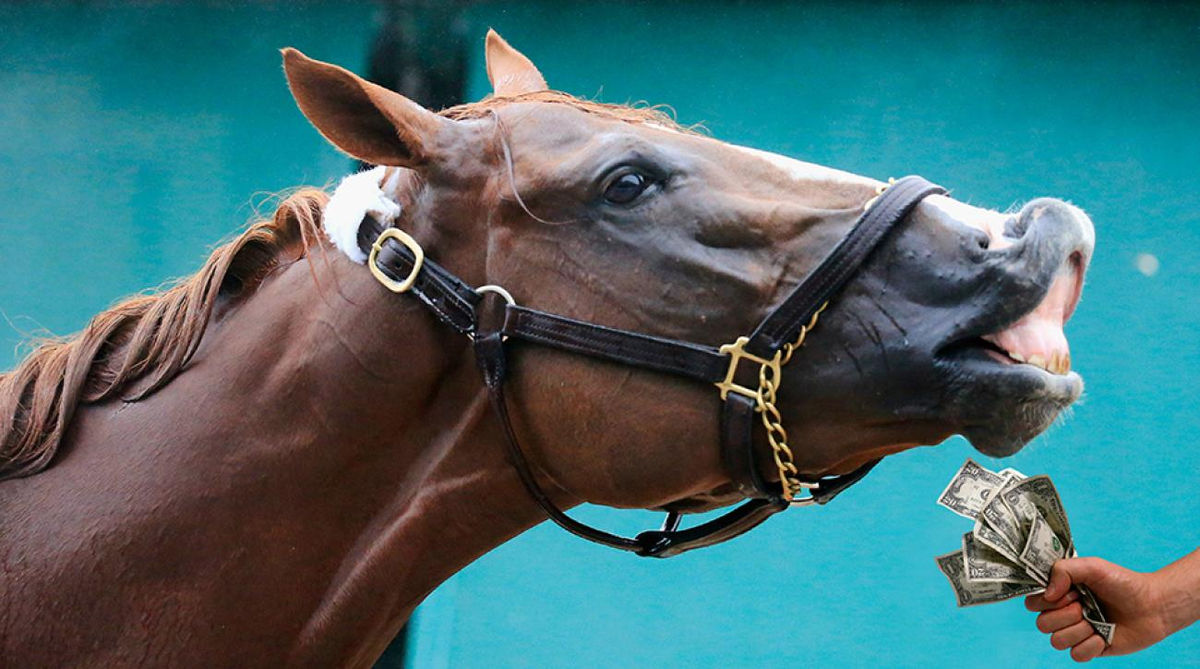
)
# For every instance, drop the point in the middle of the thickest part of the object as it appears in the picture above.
(135, 347)
(661, 115)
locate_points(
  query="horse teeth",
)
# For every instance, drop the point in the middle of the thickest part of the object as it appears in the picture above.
(1056, 362)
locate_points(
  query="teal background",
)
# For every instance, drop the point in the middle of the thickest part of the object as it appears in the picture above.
(133, 139)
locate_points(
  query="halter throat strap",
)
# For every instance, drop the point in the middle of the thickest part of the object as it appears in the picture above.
(399, 264)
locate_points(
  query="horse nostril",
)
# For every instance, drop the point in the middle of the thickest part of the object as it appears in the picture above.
(982, 239)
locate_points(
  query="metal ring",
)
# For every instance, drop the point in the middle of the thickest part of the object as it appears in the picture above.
(499, 290)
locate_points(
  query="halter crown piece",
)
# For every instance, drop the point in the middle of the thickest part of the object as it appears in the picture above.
(398, 262)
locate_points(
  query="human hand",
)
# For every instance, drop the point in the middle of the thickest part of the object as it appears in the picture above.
(1132, 600)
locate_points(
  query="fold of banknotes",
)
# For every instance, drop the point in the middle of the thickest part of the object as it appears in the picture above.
(1021, 529)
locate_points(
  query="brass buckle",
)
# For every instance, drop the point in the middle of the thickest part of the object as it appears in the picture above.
(418, 259)
(737, 351)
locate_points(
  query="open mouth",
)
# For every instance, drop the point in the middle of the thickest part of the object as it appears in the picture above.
(1037, 339)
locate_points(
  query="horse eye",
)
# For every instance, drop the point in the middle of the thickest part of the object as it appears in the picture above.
(627, 188)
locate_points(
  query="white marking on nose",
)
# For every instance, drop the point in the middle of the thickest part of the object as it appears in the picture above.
(990, 221)
(802, 171)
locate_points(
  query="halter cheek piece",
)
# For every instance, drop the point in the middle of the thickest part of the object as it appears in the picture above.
(398, 262)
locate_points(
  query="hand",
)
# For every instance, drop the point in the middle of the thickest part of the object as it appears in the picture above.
(1132, 600)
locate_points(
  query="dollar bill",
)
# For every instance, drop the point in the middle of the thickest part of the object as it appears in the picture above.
(1002, 519)
(1042, 549)
(1105, 630)
(1036, 495)
(1089, 602)
(1012, 473)
(1095, 615)
(969, 489)
(973, 593)
(983, 564)
(989, 537)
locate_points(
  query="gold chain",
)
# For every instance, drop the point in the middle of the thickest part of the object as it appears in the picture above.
(772, 419)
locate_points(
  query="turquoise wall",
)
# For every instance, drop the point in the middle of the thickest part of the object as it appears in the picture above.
(133, 139)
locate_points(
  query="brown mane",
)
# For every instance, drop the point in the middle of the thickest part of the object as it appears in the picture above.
(631, 113)
(141, 343)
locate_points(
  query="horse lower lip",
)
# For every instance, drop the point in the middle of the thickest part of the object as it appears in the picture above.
(995, 354)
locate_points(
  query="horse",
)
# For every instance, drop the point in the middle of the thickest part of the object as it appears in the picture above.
(275, 460)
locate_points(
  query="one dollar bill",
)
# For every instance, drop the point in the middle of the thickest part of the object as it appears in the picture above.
(974, 593)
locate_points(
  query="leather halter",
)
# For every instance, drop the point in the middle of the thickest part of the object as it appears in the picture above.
(398, 262)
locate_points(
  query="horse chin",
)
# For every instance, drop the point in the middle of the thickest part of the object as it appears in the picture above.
(1007, 404)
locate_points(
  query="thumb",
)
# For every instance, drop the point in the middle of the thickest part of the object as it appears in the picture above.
(1064, 573)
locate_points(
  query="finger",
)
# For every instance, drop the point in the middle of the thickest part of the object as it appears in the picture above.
(1072, 635)
(1088, 649)
(1053, 621)
(1040, 603)
(1075, 570)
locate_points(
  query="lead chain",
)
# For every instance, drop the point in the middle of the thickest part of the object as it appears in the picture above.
(772, 419)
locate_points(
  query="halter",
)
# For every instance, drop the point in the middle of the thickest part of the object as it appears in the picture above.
(398, 262)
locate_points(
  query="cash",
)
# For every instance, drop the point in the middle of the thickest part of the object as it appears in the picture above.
(1020, 531)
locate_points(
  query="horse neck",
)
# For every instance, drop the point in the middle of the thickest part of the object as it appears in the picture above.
(408, 447)
(328, 452)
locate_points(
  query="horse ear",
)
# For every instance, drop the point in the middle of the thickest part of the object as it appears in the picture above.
(367, 121)
(510, 72)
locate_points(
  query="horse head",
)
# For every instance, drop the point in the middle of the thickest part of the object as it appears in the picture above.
(618, 216)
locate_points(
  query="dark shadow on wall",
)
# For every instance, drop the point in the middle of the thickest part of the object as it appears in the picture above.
(421, 52)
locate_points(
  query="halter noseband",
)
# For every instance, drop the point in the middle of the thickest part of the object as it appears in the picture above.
(398, 262)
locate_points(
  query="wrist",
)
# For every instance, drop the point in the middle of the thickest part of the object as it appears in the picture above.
(1177, 590)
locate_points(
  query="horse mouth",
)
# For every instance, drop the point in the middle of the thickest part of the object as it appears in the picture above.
(1020, 374)
(1038, 339)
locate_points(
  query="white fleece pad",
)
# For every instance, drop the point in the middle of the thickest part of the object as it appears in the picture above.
(358, 196)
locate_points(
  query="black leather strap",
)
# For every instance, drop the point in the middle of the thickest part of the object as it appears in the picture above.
(735, 523)
(889, 209)
(836, 485)
(694, 361)
(490, 356)
(738, 419)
